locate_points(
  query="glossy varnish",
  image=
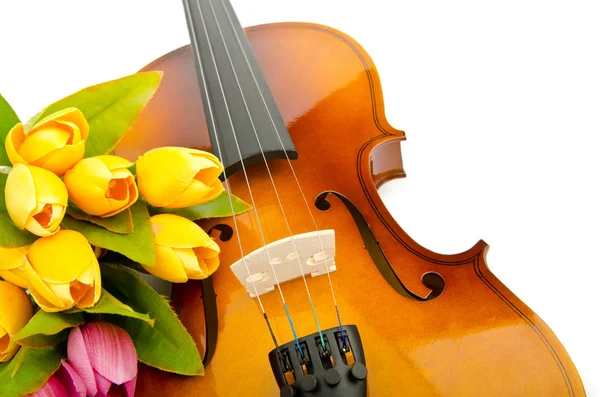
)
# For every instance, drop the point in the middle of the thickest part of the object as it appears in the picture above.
(475, 339)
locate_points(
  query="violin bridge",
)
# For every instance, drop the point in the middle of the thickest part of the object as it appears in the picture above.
(314, 250)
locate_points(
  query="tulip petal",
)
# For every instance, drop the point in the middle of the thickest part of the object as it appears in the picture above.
(175, 231)
(209, 168)
(130, 387)
(45, 219)
(94, 171)
(14, 140)
(87, 184)
(210, 256)
(43, 295)
(167, 267)
(58, 213)
(73, 129)
(195, 194)
(80, 361)
(114, 162)
(3, 340)
(47, 256)
(41, 143)
(216, 188)
(8, 348)
(34, 227)
(104, 385)
(88, 196)
(49, 189)
(163, 174)
(5, 346)
(111, 351)
(71, 114)
(118, 190)
(61, 161)
(16, 277)
(193, 268)
(71, 380)
(20, 195)
(15, 308)
(11, 258)
(92, 294)
(62, 292)
(52, 388)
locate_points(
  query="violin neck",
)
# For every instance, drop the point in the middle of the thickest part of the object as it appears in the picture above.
(242, 118)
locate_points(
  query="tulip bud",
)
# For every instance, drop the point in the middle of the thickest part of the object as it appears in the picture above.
(183, 250)
(54, 143)
(102, 185)
(36, 199)
(63, 272)
(104, 356)
(11, 266)
(175, 177)
(15, 312)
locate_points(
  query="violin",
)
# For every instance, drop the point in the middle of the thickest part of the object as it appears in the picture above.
(320, 292)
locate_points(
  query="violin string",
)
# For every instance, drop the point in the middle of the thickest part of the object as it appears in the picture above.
(287, 224)
(289, 317)
(227, 187)
(337, 311)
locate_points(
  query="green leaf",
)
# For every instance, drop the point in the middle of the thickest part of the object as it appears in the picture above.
(110, 108)
(8, 119)
(45, 329)
(108, 304)
(10, 235)
(137, 246)
(217, 208)
(167, 345)
(122, 223)
(36, 366)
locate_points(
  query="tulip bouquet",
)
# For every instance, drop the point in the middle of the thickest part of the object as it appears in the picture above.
(78, 225)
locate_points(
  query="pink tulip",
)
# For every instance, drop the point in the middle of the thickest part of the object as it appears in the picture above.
(104, 357)
(64, 383)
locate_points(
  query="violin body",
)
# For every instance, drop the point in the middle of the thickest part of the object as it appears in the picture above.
(456, 331)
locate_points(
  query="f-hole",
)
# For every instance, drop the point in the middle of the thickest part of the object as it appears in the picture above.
(431, 280)
(225, 232)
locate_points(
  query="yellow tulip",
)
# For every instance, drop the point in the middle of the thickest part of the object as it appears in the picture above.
(183, 250)
(63, 272)
(15, 312)
(11, 265)
(174, 177)
(54, 143)
(102, 185)
(36, 199)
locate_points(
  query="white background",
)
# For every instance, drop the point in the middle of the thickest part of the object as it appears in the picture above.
(500, 102)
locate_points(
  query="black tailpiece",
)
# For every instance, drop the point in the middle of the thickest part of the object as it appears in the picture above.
(336, 369)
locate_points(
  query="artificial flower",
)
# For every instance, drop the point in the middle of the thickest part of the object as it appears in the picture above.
(36, 199)
(63, 272)
(64, 383)
(54, 143)
(174, 177)
(15, 312)
(102, 185)
(11, 265)
(183, 250)
(104, 356)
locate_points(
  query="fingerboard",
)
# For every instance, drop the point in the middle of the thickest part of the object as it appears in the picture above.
(241, 114)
